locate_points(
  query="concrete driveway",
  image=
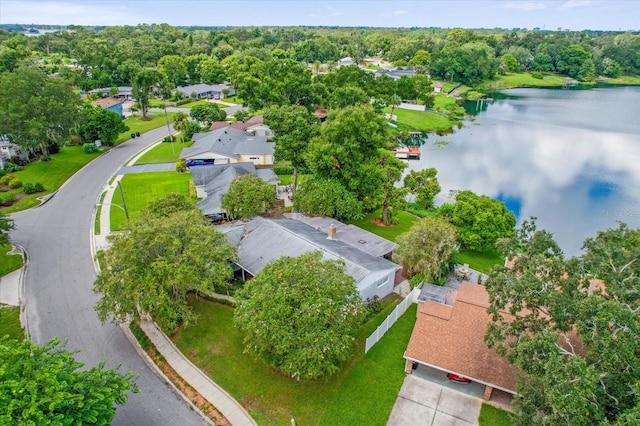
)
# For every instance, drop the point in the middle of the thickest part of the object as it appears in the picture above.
(423, 402)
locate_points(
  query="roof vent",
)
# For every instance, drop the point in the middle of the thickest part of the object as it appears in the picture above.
(219, 140)
(362, 241)
(332, 231)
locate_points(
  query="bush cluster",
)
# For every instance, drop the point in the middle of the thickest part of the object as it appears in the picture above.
(89, 147)
(181, 166)
(183, 101)
(537, 74)
(32, 188)
(283, 170)
(15, 183)
(12, 167)
(4, 180)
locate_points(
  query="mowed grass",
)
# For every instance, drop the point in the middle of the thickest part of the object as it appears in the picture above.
(52, 174)
(405, 221)
(362, 393)
(480, 261)
(10, 322)
(165, 152)
(427, 121)
(136, 124)
(511, 80)
(8, 262)
(141, 188)
(192, 104)
(492, 416)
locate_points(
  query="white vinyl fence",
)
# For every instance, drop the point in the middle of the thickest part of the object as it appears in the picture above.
(391, 319)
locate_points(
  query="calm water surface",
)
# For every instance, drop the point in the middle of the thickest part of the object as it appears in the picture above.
(569, 157)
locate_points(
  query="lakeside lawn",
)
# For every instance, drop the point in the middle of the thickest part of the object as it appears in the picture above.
(362, 393)
(10, 322)
(8, 262)
(136, 124)
(165, 152)
(52, 174)
(512, 80)
(141, 188)
(492, 416)
(405, 221)
(426, 121)
(480, 261)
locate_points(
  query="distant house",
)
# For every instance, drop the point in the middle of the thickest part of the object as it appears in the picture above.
(321, 114)
(229, 145)
(124, 92)
(213, 181)
(110, 104)
(451, 339)
(263, 239)
(345, 62)
(395, 73)
(206, 91)
(254, 126)
(9, 151)
(437, 86)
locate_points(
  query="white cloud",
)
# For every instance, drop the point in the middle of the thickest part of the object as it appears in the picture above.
(400, 12)
(525, 6)
(570, 4)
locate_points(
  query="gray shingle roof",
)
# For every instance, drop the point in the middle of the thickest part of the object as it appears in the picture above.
(268, 239)
(229, 142)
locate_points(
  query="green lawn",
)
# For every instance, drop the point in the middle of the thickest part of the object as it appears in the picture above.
(52, 174)
(428, 121)
(140, 188)
(192, 104)
(10, 322)
(158, 103)
(480, 261)
(405, 221)
(233, 100)
(511, 80)
(135, 124)
(492, 416)
(363, 393)
(165, 152)
(8, 262)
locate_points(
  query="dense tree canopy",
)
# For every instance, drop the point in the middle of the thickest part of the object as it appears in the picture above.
(46, 385)
(574, 326)
(207, 113)
(427, 247)
(149, 269)
(481, 220)
(326, 197)
(300, 314)
(248, 196)
(97, 123)
(424, 185)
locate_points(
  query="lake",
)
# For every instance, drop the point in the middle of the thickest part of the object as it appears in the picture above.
(569, 157)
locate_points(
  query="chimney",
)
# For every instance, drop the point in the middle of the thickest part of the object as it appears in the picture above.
(332, 232)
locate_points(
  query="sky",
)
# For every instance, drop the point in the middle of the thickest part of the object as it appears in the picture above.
(545, 14)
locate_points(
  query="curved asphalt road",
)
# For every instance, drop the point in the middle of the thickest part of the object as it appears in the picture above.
(58, 288)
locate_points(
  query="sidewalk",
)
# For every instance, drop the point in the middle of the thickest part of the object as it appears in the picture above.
(209, 390)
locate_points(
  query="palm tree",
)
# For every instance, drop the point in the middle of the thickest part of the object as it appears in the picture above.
(181, 123)
(394, 101)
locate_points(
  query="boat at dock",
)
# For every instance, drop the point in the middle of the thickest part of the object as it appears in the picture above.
(407, 152)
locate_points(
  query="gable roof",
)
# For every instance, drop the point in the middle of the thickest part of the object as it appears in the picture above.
(354, 236)
(228, 142)
(266, 239)
(106, 102)
(452, 338)
(238, 125)
(217, 179)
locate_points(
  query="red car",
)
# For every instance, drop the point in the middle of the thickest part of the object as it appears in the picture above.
(457, 379)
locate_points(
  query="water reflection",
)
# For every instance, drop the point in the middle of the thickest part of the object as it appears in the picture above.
(571, 158)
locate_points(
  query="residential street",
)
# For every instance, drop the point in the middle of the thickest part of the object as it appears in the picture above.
(59, 278)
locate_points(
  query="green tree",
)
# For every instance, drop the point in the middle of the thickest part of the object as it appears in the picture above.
(393, 198)
(587, 71)
(6, 225)
(97, 123)
(207, 113)
(346, 96)
(394, 101)
(181, 123)
(46, 385)
(421, 60)
(151, 267)
(142, 87)
(424, 185)
(571, 60)
(427, 247)
(326, 197)
(293, 127)
(174, 68)
(36, 110)
(481, 220)
(211, 71)
(300, 314)
(347, 150)
(247, 196)
(574, 338)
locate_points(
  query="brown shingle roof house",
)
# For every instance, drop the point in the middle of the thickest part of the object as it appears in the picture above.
(451, 339)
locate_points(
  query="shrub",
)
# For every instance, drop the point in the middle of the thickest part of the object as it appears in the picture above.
(2, 172)
(4, 180)
(12, 167)
(192, 189)
(537, 74)
(283, 170)
(183, 101)
(15, 183)
(32, 188)
(374, 306)
(7, 198)
(416, 280)
(89, 147)
(45, 158)
(167, 139)
(181, 166)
